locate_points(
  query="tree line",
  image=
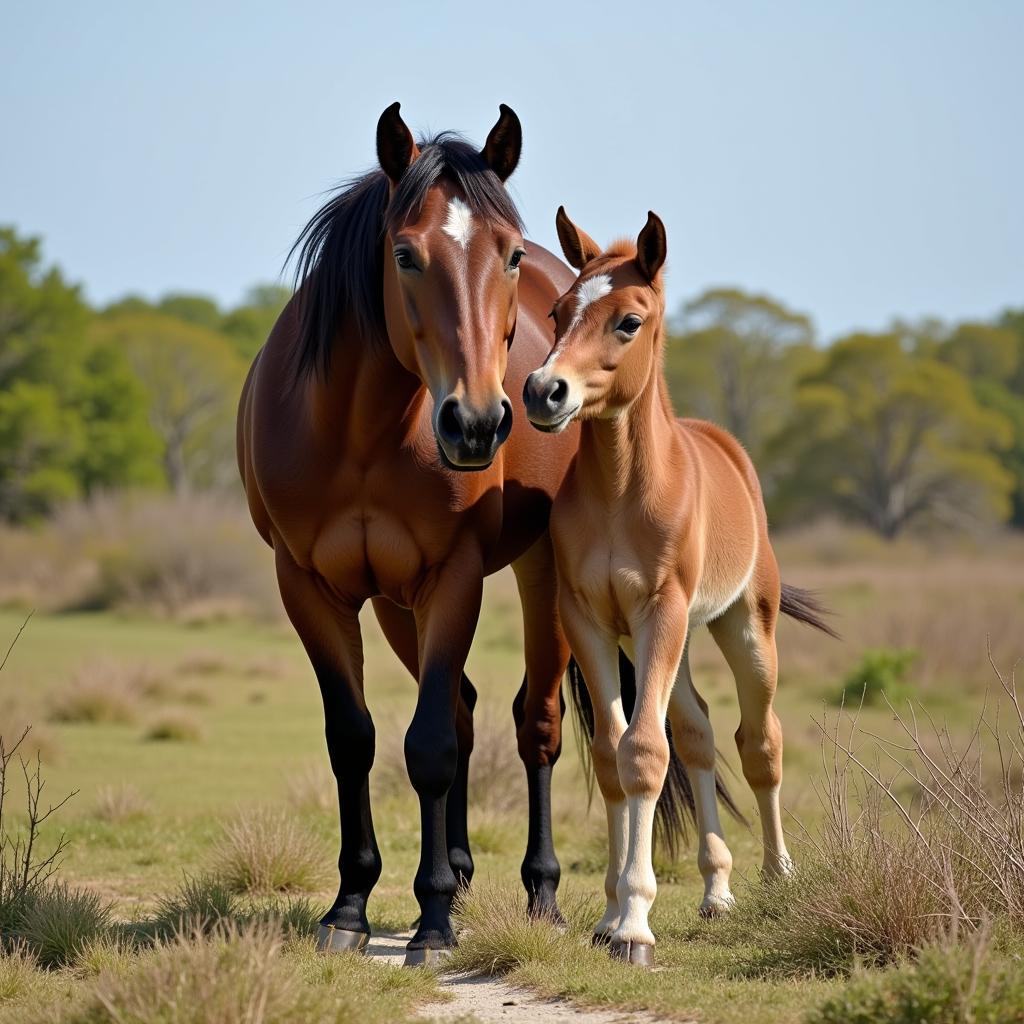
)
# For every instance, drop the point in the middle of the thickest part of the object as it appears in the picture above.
(918, 425)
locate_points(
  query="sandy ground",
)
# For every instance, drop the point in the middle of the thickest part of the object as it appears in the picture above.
(488, 1000)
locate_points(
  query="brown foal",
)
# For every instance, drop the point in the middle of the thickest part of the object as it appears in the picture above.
(659, 527)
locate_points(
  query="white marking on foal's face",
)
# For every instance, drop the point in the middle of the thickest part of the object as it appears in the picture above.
(459, 224)
(590, 290)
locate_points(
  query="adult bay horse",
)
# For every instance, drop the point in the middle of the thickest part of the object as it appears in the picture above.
(659, 528)
(382, 462)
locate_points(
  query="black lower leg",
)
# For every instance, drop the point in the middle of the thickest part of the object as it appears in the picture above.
(540, 870)
(456, 819)
(350, 742)
(431, 753)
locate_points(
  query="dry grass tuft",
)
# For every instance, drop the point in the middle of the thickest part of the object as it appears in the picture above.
(59, 921)
(313, 790)
(117, 803)
(197, 905)
(175, 727)
(266, 850)
(500, 938)
(20, 976)
(98, 694)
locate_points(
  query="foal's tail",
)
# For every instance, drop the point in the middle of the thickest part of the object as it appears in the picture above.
(804, 606)
(676, 805)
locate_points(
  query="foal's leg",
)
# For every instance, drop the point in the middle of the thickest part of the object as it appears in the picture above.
(598, 655)
(694, 741)
(330, 634)
(643, 763)
(446, 617)
(746, 636)
(538, 710)
(399, 627)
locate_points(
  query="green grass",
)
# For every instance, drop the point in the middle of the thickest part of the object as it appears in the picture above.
(260, 745)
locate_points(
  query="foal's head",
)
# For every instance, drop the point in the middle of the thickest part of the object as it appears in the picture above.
(607, 329)
(451, 268)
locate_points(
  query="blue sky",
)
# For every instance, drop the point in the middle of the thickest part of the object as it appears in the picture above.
(857, 160)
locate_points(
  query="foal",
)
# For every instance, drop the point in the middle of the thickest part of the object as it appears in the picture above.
(659, 527)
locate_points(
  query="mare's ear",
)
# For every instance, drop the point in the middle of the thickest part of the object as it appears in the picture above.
(578, 246)
(396, 148)
(651, 247)
(504, 143)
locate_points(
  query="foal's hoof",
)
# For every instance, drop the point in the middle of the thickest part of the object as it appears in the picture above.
(715, 906)
(547, 910)
(601, 939)
(337, 940)
(424, 956)
(640, 954)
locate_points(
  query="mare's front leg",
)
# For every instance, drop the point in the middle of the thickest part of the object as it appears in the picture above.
(597, 652)
(446, 613)
(538, 709)
(329, 631)
(643, 755)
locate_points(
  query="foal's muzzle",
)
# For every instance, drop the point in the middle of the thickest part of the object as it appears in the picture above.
(548, 400)
(470, 438)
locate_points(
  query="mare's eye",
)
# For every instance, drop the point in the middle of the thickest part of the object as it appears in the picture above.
(630, 325)
(404, 259)
(513, 264)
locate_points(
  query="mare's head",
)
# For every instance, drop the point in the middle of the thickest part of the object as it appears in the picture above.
(607, 329)
(423, 255)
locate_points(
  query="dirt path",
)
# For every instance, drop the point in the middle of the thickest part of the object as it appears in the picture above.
(491, 1001)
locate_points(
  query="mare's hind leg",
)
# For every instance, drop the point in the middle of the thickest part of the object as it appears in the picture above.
(399, 627)
(330, 634)
(694, 741)
(746, 636)
(538, 710)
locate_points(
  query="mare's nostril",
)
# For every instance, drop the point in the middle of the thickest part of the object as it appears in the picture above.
(448, 424)
(559, 392)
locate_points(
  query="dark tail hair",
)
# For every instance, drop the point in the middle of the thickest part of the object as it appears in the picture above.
(676, 806)
(804, 606)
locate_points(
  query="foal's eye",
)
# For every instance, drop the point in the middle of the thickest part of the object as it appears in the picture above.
(630, 325)
(513, 264)
(404, 259)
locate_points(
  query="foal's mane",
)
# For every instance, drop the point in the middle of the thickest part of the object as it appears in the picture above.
(339, 253)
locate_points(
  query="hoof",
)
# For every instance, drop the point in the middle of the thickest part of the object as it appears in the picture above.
(426, 957)
(640, 954)
(715, 906)
(337, 940)
(601, 939)
(547, 911)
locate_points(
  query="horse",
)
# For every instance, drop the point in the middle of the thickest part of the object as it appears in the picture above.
(659, 527)
(382, 462)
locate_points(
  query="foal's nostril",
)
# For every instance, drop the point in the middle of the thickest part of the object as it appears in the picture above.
(559, 393)
(448, 424)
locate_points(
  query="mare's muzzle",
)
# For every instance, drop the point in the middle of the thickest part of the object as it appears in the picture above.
(470, 438)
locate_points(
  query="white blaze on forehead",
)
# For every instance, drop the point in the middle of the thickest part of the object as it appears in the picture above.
(590, 290)
(459, 224)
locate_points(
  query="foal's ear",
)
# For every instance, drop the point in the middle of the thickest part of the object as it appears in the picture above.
(578, 246)
(651, 247)
(396, 148)
(504, 143)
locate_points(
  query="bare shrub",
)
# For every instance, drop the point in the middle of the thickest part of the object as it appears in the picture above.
(193, 555)
(59, 921)
(118, 803)
(266, 850)
(175, 727)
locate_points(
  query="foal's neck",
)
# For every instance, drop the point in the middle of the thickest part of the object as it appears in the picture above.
(631, 455)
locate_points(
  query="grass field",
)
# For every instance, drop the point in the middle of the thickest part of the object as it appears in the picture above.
(171, 732)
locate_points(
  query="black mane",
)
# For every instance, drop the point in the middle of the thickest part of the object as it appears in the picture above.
(339, 266)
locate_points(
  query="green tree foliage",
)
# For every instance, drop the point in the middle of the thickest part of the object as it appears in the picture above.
(249, 325)
(191, 376)
(892, 438)
(735, 359)
(72, 415)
